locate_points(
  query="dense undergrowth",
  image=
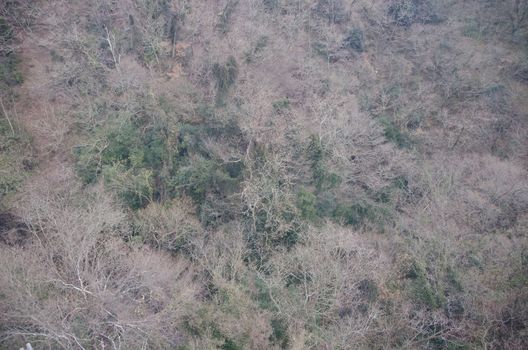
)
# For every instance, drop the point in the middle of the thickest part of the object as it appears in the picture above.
(16, 156)
(270, 174)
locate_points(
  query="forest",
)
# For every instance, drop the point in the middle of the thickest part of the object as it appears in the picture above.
(264, 174)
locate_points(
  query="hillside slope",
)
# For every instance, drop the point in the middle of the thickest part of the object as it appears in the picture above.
(264, 174)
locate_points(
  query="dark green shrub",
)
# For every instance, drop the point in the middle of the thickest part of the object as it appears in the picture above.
(87, 163)
(257, 50)
(322, 50)
(403, 12)
(323, 179)
(453, 279)
(388, 194)
(315, 149)
(306, 204)
(225, 76)
(9, 73)
(279, 333)
(6, 31)
(424, 294)
(407, 12)
(521, 71)
(134, 186)
(326, 203)
(270, 5)
(230, 344)
(201, 176)
(368, 289)
(454, 308)
(421, 290)
(394, 134)
(281, 105)
(354, 214)
(262, 295)
(354, 40)
(15, 157)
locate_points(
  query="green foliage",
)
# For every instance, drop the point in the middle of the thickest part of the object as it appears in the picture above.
(271, 5)
(421, 290)
(354, 40)
(146, 157)
(306, 203)
(256, 51)
(6, 32)
(326, 203)
(406, 12)
(281, 105)
(521, 70)
(15, 159)
(9, 73)
(474, 29)
(229, 344)
(322, 50)
(323, 203)
(15, 149)
(134, 186)
(262, 295)
(453, 279)
(279, 333)
(387, 194)
(225, 76)
(354, 214)
(394, 134)
(201, 176)
(403, 12)
(369, 289)
(323, 179)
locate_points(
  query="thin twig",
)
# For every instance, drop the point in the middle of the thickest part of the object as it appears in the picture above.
(7, 117)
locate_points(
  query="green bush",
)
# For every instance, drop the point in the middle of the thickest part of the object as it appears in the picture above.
(229, 344)
(394, 134)
(326, 203)
(354, 40)
(403, 12)
(134, 186)
(87, 163)
(281, 105)
(306, 203)
(201, 176)
(279, 333)
(6, 32)
(421, 290)
(322, 50)
(354, 214)
(9, 73)
(387, 194)
(368, 289)
(407, 12)
(159, 161)
(225, 76)
(323, 179)
(257, 50)
(270, 5)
